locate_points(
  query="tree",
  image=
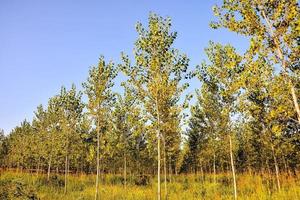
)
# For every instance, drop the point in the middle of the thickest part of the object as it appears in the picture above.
(156, 76)
(19, 145)
(70, 113)
(124, 123)
(40, 127)
(223, 73)
(3, 148)
(273, 29)
(100, 97)
(205, 127)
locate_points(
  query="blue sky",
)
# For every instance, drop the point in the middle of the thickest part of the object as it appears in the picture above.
(47, 44)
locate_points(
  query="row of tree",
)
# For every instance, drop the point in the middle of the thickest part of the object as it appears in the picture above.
(246, 116)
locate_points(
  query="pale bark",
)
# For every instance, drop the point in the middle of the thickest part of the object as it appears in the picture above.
(158, 152)
(125, 171)
(170, 172)
(276, 168)
(98, 162)
(284, 66)
(66, 174)
(232, 168)
(214, 168)
(165, 168)
(49, 169)
(38, 167)
(158, 167)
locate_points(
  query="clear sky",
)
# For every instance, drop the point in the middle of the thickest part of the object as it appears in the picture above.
(47, 44)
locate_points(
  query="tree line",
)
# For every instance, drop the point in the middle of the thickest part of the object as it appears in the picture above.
(246, 116)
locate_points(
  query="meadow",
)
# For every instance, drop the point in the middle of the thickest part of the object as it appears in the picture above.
(17, 185)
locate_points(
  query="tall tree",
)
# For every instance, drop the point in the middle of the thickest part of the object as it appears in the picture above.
(39, 124)
(273, 29)
(223, 72)
(3, 148)
(70, 113)
(98, 89)
(156, 77)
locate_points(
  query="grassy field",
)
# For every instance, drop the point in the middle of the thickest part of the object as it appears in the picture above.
(183, 187)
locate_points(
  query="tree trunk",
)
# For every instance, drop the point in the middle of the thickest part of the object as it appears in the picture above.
(66, 174)
(158, 167)
(158, 151)
(283, 63)
(125, 171)
(49, 169)
(232, 167)
(165, 168)
(268, 167)
(38, 167)
(98, 163)
(170, 172)
(201, 170)
(295, 100)
(214, 167)
(276, 168)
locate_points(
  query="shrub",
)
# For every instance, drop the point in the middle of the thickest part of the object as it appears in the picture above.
(54, 181)
(16, 189)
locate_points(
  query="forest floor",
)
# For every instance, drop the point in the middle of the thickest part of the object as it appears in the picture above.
(182, 187)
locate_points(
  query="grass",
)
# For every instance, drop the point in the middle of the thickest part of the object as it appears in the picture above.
(182, 187)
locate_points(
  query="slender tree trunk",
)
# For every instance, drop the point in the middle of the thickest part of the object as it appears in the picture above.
(276, 168)
(158, 167)
(214, 167)
(38, 167)
(268, 167)
(66, 174)
(98, 163)
(170, 172)
(285, 165)
(232, 168)
(295, 100)
(125, 171)
(49, 169)
(165, 168)
(201, 170)
(283, 63)
(158, 152)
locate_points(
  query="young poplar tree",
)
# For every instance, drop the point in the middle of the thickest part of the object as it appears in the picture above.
(3, 153)
(124, 123)
(19, 146)
(156, 76)
(52, 134)
(204, 133)
(223, 69)
(39, 125)
(273, 29)
(98, 89)
(255, 103)
(69, 114)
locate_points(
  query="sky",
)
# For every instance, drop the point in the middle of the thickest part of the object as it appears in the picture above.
(50, 43)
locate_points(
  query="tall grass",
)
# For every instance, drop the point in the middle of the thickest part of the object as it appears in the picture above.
(181, 187)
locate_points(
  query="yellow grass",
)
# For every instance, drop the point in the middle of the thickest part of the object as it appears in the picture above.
(181, 187)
